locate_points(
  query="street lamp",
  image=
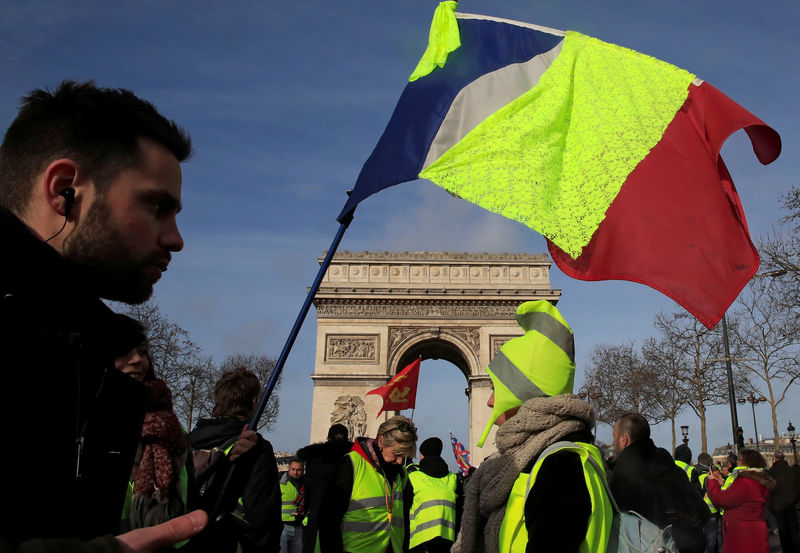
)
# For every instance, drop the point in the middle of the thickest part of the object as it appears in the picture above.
(790, 430)
(752, 400)
(685, 432)
(588, 393)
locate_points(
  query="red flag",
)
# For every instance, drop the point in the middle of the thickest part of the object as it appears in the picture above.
(677, 224)
(401, 391)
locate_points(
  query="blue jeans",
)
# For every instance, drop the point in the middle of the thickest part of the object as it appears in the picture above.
(292, 539)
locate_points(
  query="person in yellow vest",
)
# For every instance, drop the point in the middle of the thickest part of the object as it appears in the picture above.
(705, 463)
(683, 458)
(367, 507)
(436, 508)
(541, 491)
(291, 485)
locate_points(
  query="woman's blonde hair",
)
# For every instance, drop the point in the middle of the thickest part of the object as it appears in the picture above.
(401, 435)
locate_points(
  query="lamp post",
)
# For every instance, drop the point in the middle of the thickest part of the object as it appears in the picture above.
(752, 400)
(685, 433)
(793, 441)
(588, 393)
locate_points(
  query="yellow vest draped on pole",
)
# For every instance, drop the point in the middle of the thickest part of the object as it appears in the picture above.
(374, 518)
(514, 534)
(433, 511)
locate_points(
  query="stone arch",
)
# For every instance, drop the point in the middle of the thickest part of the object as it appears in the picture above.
(434, 343)
(377, 311)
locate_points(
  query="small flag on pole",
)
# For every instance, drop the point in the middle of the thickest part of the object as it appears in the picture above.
(401, 391)
(461, 453)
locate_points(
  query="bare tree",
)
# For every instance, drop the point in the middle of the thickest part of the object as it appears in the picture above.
(768, 337)
(624, 382)
(698, 352)
(780, 250)
(190, 375)
(193, 394)
(665, 363)
(262, 366)
(171, 349)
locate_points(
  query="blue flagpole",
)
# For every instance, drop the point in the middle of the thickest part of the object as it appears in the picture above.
(287, 347)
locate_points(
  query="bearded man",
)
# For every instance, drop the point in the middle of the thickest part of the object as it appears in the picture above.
(90, 184)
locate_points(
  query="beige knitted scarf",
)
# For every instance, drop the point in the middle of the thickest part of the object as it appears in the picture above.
(539, 423)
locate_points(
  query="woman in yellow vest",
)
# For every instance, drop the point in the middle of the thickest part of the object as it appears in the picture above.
(541, 492)
(367, 507)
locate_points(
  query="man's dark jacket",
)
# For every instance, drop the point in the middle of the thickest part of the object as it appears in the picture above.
(255, 480)
(321, 463)
(647, 480)
(61, 393)
(787, 486)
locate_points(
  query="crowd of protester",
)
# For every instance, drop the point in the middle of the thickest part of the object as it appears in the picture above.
(90, 184)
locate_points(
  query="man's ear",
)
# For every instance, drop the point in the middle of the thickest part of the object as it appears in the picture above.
(60, 175)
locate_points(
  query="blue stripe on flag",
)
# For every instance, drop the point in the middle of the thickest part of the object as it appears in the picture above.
(486, 46)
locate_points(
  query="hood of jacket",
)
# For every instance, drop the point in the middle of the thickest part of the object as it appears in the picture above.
(435, 466)
(760, 476)
(212, 432)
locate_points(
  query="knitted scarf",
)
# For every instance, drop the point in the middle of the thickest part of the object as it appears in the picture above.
(163, 454)
(539, 423)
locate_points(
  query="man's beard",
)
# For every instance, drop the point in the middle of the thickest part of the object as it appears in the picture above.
(99, 249)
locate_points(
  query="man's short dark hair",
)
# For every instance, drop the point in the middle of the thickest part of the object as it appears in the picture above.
(635, 426)
(234, 393)
(98, 128)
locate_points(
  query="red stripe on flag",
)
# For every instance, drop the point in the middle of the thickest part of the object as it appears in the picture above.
(677, 224)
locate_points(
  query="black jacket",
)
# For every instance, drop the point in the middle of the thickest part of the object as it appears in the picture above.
(321, 463)
(61, 393)
(255, 481)
(558, 507)
(647, 480)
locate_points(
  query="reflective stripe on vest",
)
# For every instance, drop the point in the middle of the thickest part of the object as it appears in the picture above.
(288, 497)
(367, 526)
(514, 534)
(703, 477)
(433, 511)
(686, 467)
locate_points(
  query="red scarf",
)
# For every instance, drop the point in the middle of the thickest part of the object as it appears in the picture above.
(163, 439)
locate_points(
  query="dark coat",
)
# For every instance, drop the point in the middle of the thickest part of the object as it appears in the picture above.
(744, 529)
(255, 481)
(787, 486)
(321, 463)
(58, 341)
(647, 480)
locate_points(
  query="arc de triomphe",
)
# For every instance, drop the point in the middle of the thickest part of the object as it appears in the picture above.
(377, 312)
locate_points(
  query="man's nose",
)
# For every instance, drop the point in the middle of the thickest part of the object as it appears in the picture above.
(490, 402)
(171, 238)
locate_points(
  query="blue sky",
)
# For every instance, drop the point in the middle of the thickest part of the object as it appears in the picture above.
(285, 100)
